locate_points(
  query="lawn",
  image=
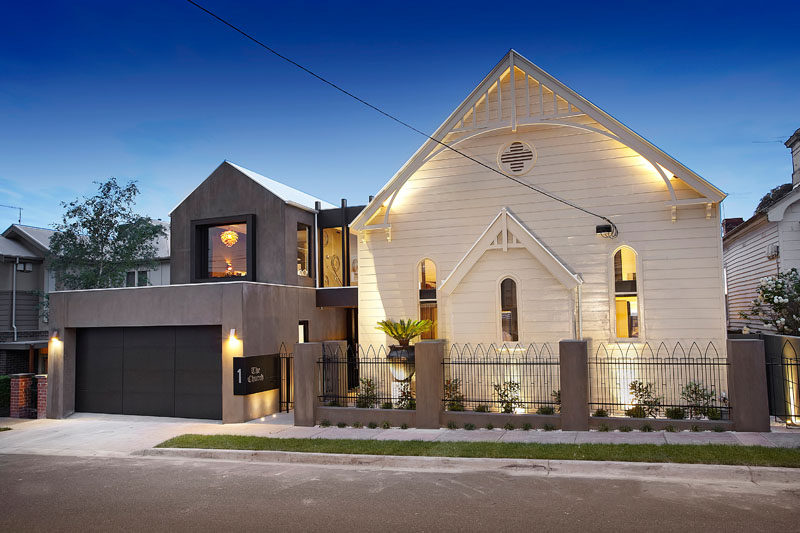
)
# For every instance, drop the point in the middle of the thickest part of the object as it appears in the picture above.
(5, 429)
(651, 453)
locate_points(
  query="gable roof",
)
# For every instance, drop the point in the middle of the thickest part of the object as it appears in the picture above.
(14, 248)
(556, 104)
(37, 238)
(503, 233)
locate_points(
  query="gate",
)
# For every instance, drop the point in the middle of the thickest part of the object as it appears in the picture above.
(783, 376)
(287, 380)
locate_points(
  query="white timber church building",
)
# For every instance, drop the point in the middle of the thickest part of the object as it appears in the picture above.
(491, 260)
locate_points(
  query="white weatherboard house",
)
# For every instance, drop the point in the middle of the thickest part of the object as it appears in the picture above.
(493, 261)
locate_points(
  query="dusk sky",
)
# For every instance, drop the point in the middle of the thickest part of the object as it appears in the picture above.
(162, 93)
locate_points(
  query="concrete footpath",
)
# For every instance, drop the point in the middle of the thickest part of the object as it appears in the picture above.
(97, 434)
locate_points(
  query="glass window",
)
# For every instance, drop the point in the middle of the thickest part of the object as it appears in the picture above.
(303, 240)
(508, 310)
(227, 251)
(353, 260)
(332, 273)
(428, 309)
(130, 279)
(626, 297)
(142, 281)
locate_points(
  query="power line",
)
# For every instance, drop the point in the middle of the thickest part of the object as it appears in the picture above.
(399, 121)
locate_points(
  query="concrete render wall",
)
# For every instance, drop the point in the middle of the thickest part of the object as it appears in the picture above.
(747, 385)
(263, 315)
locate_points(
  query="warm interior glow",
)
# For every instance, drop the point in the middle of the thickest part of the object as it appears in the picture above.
(229, 238)
(227, 252)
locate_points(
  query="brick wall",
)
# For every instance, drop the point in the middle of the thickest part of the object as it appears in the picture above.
(41, 393)
(21, 396)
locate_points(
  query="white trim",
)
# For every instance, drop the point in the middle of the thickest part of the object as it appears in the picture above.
(524, 239)
(776, 212)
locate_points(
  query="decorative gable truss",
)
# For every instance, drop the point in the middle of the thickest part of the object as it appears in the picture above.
(505, 232)
(518, 93)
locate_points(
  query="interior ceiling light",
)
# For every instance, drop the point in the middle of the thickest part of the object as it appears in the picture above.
(229, 238)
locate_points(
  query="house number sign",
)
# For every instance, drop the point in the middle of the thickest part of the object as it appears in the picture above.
(257, 373)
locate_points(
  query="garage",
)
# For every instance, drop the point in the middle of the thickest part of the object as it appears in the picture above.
(156, 371)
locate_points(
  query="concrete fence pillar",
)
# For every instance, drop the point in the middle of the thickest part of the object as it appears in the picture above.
(21, 392)
(428, 357)
(574, 361)
(747, 385)
(306, 355)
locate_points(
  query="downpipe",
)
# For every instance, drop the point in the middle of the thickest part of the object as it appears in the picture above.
(14, 299)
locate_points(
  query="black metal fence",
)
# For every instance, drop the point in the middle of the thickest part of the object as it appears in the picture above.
(364, 377)
(511, 379)
(287, 380)
(637, 381)
(782, 353)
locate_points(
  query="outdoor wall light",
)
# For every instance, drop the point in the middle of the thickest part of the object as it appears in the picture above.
(54, 335)
(232, 335)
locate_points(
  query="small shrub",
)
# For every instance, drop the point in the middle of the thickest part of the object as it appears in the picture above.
(526, 427)
(333, 403)
(5, 395)
(404, 426)
(545, 410)
(469, 427)
(637, 411)
(602, 427)
(646, 428)
(452, 425)
(549, 427)
(719, 429)
(625, 429)
(644, 396)
(325, 423)
(489, 426)
(700, 399)
(454, 400)
(713, 413)
(366, 394)
(556, 395)
(341, 425)
(675, 413)
(509, 426)
(386, 405)
(372, 425)
(482, 408)
(386, 425)
(508, 395)
(406, 399)
(670, 429)
(695, 428)
(600, 412)
(356, 425)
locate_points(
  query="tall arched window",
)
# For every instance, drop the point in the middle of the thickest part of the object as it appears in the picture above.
(626, 295)
(508, 310)
(427, 296)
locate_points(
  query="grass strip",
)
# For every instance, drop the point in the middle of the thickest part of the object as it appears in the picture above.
(722, 454)
(5, 429)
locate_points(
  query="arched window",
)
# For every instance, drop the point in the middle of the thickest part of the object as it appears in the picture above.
(508, 310)
(427, 295)
(626, 295)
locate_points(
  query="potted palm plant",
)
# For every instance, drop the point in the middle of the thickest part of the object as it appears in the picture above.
(403, 331)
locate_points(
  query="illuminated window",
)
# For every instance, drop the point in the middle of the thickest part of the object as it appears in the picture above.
(222, 249)
(508, 310)
(428, 309)
(303, 240)
(626, 296)
(332, 268)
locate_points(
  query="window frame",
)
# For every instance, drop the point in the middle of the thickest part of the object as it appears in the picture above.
(613, 297)
(309, 249)
(199, 247)
(499, 308)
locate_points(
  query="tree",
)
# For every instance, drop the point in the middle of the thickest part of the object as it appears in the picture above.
(100, 238)
(772, 197)
(778, 302)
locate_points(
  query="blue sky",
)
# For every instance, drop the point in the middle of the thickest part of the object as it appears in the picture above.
(161, 93)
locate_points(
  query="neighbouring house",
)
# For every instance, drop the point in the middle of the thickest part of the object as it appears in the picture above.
(27, 279)
(492, 261)
(254, 265)
(764, 245)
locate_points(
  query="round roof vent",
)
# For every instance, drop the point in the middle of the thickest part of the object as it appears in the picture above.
(516, 158)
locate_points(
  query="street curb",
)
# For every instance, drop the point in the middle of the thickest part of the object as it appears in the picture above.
(669, 472)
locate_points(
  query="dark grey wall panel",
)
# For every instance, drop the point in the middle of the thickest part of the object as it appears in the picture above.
(149, 371)
(98, 370)
(198, 372)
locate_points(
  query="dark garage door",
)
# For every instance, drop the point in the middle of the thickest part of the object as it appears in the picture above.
(158, 371)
